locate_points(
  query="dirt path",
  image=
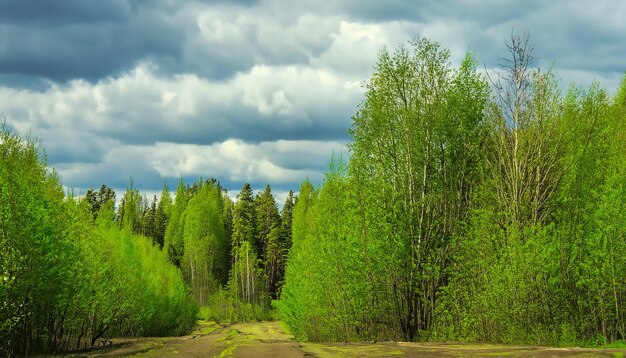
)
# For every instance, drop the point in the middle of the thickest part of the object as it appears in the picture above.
(258, 339)
(269, 339)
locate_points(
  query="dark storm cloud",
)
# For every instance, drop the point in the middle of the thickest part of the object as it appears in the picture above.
(50, 13)
(68, 40)
(18, 81)
(231, 2)
(68, 46)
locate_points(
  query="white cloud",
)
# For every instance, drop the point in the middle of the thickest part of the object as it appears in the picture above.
(148, 107)
(283, 163)
(239, 161)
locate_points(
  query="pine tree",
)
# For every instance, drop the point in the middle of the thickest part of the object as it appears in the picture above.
(149, 222)
(286, 218)
(244, 218)
(96, 200)
(267, 218)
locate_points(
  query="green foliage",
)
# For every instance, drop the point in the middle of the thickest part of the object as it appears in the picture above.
(96, 200)
(286, 218)
(161, 217)
(295, 300)
(206, 248)
(65, 280)
(244, 217)
(267, 219)
(136, 288)
(248, 281)
(175, 232)
(37, 256)
(224, 307)
(269, 239)
(132, 209)
(467, 217)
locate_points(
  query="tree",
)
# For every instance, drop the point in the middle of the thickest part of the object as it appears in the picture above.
(267, 218)
(175, 232)
(407, 140)
(247, 280)
(67, 280)
(37, 256)
(149, 224)
(96, 200)
(295, 304)
(269, 238)
(244, 217)
(162, 216)
(286, 218)
(206, 251)
(526, 145)
(133, 208)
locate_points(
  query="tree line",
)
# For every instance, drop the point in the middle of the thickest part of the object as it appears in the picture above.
(232, 255)
(473, 207)
(75, 271)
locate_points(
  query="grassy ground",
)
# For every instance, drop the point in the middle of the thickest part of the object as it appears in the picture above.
(269, 339)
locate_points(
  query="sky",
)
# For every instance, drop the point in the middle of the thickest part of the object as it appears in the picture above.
(248, 91)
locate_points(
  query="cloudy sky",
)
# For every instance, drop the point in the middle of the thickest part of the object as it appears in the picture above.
(247, 91)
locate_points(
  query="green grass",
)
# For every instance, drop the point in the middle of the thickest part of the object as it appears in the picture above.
(616, 344)
(205, 327)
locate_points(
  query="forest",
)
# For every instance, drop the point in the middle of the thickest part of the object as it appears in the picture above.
(473, 206)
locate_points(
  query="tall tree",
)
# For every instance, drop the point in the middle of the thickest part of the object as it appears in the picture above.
(267, 218)
(246, 276)
(133, 208)
(162, 216)
(205, 260)
(400, 153)
(526, 151)
(175, 232)
(244, 217)
(286, 218)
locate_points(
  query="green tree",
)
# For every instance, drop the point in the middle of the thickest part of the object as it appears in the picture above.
(205, 260)
(96, 200)
(242, 280)
(244, 217)
(162, 216)
(149, 224)
(67, 281)
(269, 238)
(175, 232)
(286, 218)
(132, 209)
(37, 256)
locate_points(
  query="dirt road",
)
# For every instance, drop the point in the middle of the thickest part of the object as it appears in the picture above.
(269, 339)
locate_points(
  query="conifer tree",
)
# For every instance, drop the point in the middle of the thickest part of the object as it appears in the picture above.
(244, 218)
(267, 218)
(174, 234)
(286, 218)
